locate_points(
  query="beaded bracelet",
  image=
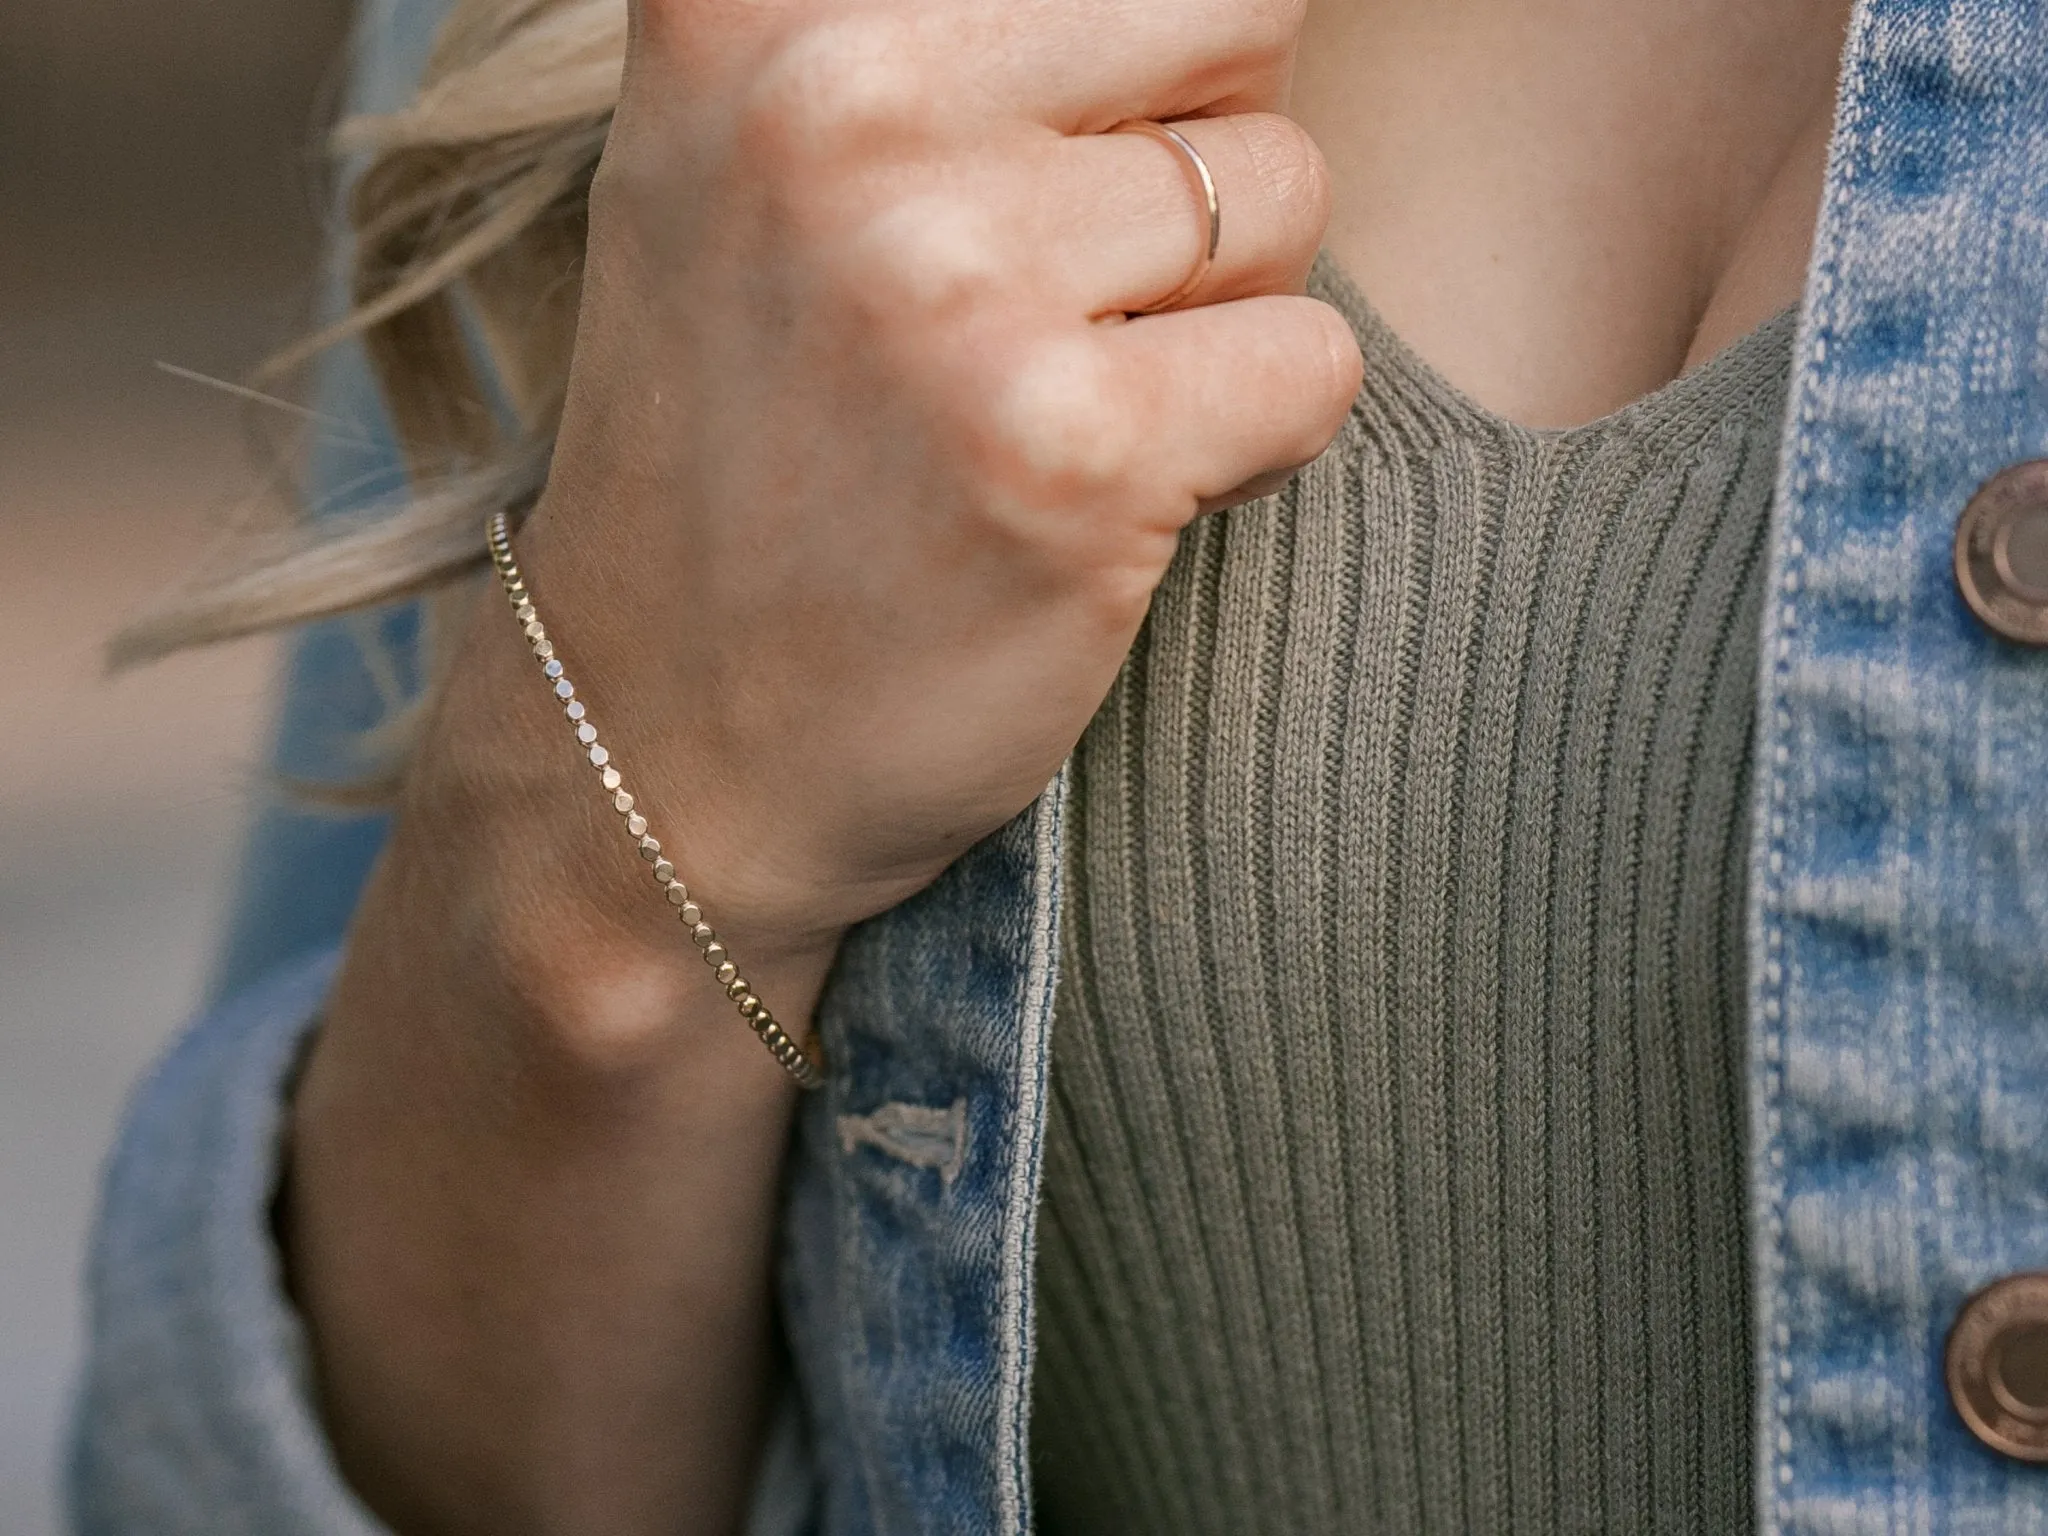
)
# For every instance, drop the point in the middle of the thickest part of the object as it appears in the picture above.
(801, 1062)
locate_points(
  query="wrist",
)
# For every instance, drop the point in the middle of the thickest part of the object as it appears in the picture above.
(508, 837)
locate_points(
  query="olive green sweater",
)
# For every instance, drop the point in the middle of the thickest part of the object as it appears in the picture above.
(1395, 1170)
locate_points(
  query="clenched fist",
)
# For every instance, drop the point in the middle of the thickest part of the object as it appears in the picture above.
(865, 478)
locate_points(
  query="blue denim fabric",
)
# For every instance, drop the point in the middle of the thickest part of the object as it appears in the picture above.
(1900, 956)
(195, 1417)
(333, 693)
(1899, 1042)
(907, 1288)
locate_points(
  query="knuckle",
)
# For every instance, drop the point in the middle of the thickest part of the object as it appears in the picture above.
(833, 89)
(1053, 428)
(930, 255)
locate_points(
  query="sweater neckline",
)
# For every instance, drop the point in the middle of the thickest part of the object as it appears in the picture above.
(1721, 382)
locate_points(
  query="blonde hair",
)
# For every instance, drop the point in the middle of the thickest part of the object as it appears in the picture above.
(469, 221)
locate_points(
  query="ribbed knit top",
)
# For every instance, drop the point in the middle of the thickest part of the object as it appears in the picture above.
(1394, 1178)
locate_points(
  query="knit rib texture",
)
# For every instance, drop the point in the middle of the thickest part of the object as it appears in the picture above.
(1394, 1174)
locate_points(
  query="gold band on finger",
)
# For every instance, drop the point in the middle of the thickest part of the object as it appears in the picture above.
(1205, 186)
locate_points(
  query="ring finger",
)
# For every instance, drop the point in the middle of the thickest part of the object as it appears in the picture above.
(1127, 219)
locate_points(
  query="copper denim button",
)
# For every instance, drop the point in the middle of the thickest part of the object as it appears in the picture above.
(1998, 1366)
(2002, 553)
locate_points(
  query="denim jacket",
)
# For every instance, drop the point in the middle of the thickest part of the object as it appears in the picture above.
(1898, 1041)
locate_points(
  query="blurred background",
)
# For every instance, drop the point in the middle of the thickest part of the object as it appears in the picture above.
(161, 201)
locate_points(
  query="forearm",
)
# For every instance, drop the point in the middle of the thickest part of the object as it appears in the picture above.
(534, 1160)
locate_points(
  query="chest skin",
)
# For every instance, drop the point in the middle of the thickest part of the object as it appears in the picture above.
(1564, 204)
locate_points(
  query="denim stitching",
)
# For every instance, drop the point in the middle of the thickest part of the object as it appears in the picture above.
(1013, 1502)
(1767, 935)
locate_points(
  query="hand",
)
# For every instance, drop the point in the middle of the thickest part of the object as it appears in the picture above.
(862, 490)
(864, 482)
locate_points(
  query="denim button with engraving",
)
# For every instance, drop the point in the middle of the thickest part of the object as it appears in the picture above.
(1998, 1366)
(2002, 553)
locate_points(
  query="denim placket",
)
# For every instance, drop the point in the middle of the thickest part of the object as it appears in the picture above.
(1900, 929)
(914, 1194)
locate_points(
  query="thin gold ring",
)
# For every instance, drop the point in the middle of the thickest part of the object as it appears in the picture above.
(1205, 186)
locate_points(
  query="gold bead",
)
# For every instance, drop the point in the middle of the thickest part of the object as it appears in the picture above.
(636, 824)
(691, 915)
(678, 893)
(748, 1005)
(610, 778)
(664, 871)
(650, 848)
(728, 973)
(702, 935)
(714, 955)
(622, 802)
